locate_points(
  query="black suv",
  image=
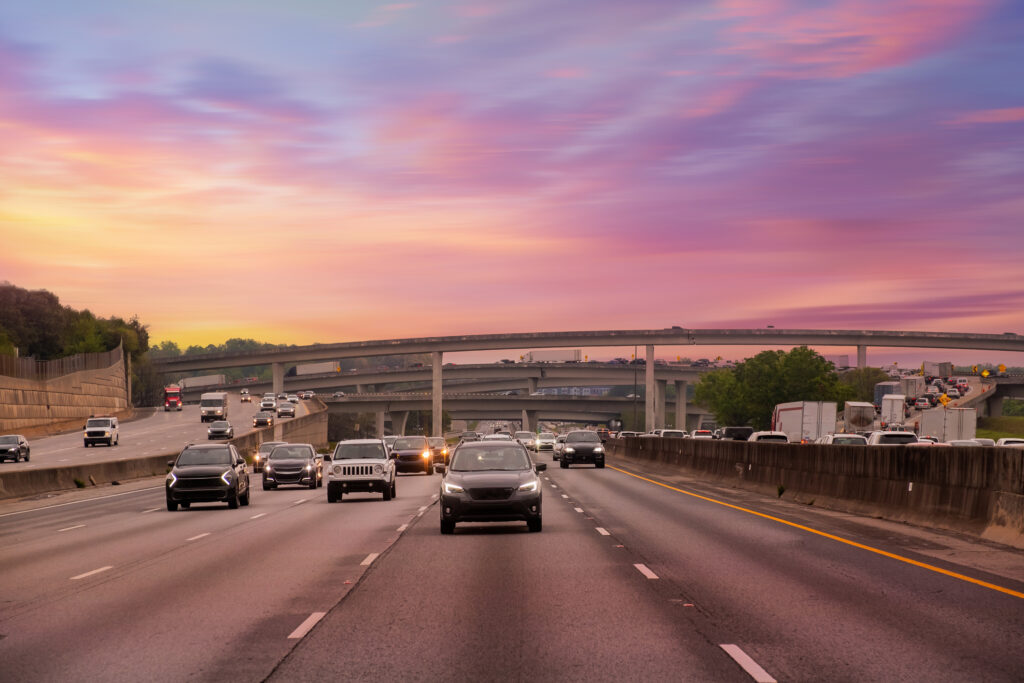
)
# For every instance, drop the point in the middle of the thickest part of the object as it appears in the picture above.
(207, 473)
(582, 446)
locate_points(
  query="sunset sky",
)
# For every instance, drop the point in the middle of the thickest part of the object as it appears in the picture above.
(324, 171)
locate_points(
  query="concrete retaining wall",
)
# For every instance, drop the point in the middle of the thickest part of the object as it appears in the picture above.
(980, 490)
(33, 403)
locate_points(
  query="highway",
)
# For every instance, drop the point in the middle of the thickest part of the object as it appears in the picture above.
(629, 580)
(162, 432)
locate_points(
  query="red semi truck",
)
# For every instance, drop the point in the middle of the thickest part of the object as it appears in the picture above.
(172, 397)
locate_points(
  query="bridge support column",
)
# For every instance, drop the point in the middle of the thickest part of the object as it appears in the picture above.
(531, 384)
(681, 405)
(526, 421)
(995, 406)
(862, 356)
(649, 391)
(380, 423)
(277, 370)
(399, 420)
(360, 388)
(530, 420)
(659, 410)
(435, 367)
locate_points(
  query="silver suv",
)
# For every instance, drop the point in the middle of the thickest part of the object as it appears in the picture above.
(101, 430)
(360, 465)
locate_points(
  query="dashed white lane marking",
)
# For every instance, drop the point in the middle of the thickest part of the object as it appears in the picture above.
(748, 664)
(403, 528)
(64, 460)
(578, 509)
(554, 486)
(94, 571)
(307, 625)
(262, 514)
(564, 496)
(76, 502)
(434, 497)
(69, 528)
(603, 532)
(642, 568)
(151, 510)
(300, 501)
(196, 538)
(423, 508)
(369, 559)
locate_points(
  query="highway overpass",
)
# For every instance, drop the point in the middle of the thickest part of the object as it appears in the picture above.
(649, 339)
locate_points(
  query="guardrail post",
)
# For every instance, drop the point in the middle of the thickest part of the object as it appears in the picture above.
(681, 405)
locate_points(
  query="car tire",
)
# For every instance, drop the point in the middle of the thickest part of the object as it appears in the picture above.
(85, 443)
(535, 525)
(332, 497)
(447, 526)
(387, 492)
(171, 505)
(599, 464)
(320, 483)
(233, 500)
(394, 489)
(563, 464)
(244, 499)
(429, 469)
(186, 506)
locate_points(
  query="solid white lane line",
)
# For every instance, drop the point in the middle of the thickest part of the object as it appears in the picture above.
(307, 625)
(369, 559)
(196, 538)
(748, 664)
(69, 528)
(262, 514)
(423, 508)
(76, 502)
(642, 568)
(578, 509)
(434, 497)
(94, 571)
(151, 510)
(403, 528)
(601, 531)
(298, 502)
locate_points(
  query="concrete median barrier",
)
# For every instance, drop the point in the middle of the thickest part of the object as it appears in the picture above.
(19, 483)
(977, 490)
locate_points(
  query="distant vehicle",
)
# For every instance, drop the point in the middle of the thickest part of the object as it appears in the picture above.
(525, 438)
(553, 356)
(804, 421)
(491, 482)
(698, 434)
(293, 398)
(213, 405)
(500, 436)
(922, 404)
(981, 441)
(202, 381)
(360, 465)
(1011, 442)
(286, 409)
(268, 404)
(263, 453)
(894, 410)
(293, 463)
(207, 473)
(629, 435)
(891, 438)
(545, 441)
(389, 441)
(769, 437)
(969, 443)
(246, 396)
(843, 440)
(306, 395)
(556, 450)
(469, 436)
(172, 397)
(582, 446)
(438, 450)
(338, 394)
(220, 429)
(737, 433)
(604, 433)
(321, 368)
(282, 397)
(413, 453)
(14, 447)
(101, 429)
(263, 419)
(953, 392)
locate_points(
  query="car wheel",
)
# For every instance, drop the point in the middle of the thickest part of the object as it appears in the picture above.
(332, 497)
(320, 483)
(394, 489)
(535, 524)
(266, 486)
(233, 500)
(429, 469)
(312, 484)
(85, 443)
(27, 454)
(186, 506)
(171, 505)
(563, 464)
(599, 464)
(244, 499)
(387, 493)
(447, 526)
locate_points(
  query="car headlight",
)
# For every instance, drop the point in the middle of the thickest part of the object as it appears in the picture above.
(377, 469)
(426, 453)
(337, 469)
(226, 477)
(453, 488)
(309, 468)
(256, 457)
(599, 449)
(568, 449)
(529, 486)
(171, 480)
(444, 451)
(266, 468)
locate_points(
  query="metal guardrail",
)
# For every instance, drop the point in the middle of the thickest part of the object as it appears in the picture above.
(32, 369)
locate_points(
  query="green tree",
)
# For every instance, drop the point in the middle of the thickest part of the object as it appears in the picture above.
(748, 393)
(862, 381)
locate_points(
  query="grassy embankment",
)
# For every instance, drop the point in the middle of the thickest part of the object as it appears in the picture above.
(1000, 427)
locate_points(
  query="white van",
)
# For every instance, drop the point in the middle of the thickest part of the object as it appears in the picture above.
(213, 406)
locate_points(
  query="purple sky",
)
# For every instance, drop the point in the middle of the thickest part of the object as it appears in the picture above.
(316, 171)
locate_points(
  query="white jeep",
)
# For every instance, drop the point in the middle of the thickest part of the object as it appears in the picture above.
(359, 465)
(101, 430)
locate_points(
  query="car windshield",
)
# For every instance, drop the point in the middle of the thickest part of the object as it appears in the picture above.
(436, 442)
(268, 446)
(290, 453)
(204, 456)
(8, 439)
(219, 424)
(98, 423)
(409, 444)
(360, 451)
(524, 435)
(510, 458)
(583, 437)
(547, 436)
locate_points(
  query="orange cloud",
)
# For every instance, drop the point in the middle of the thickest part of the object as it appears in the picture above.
(1008, 115)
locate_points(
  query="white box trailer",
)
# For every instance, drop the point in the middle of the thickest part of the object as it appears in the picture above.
(202, 381)
(949, 424)
(894, 408)
(912, 386)
(318, 368)
(858, 416)
(805, 421)
(553, 356)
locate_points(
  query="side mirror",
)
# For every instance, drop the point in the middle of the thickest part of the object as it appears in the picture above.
(439, 467)
(540, 467)
(170, 463)
(393, 455)
(326, 457)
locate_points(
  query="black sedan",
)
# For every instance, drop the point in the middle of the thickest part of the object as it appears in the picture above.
(207, 473)
(412, 454)
(14, 447)
(220, 429)
(491, 481)
(263, 453)
(293, 463)
(582, 446)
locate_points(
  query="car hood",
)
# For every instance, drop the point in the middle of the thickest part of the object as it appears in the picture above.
(288, 461)
(489, 478)
(200, 470)
(409, 451)
(583, 445)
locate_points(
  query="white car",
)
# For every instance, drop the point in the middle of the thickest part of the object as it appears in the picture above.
(360, 465)
(769, 437)
(528, 440)
(1010, 441)
(673, 434)
(556, 450)
(843, 439)
(892, 438)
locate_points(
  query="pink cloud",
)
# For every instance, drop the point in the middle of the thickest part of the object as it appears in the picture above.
(1008, 115)
(568, 72)
(717, 100)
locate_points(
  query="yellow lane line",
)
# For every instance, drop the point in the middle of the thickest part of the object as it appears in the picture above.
(840, 539)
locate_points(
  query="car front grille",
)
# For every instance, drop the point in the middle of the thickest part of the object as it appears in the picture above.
(356, 470)
(491, 493)
(93, 434)
(284, 476)
(194, 483)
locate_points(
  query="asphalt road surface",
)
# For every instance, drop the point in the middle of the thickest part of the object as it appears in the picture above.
(162, 432)
(630, 580)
